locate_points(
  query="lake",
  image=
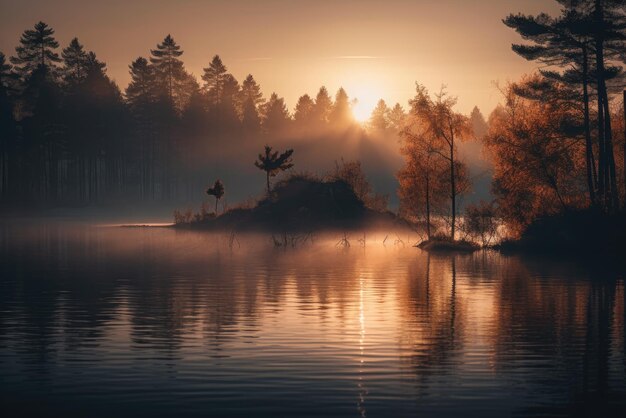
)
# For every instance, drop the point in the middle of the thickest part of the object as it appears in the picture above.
(109, 321)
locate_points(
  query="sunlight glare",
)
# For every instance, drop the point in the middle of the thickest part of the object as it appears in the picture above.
(364, 92)
(363, 105)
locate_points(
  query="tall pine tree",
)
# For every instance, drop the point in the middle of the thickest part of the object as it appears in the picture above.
(74, 63)
(169, 70)
(323, 106)
(36, 50)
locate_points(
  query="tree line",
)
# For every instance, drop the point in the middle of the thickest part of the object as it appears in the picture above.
(555, 143)
(70, 135)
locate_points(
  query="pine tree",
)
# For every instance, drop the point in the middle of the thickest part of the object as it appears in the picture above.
(275, 114)
(251, 91)
(36, 63)
(214, 81)
(140, 90)
(323, 106)
(249, 101)
(397, 117)
(74, 62)
(168, 68)
(216, 191)
(273, 163)
(142, 98)
(569, 42)
(101, 103)
(8, 77)
(341, 113)
(94, 65)
(479, 125)
(304, 111)
(36, 50)
(609, 36)
(230, 102)
(8, 166)
(379, 121)
(5, 71)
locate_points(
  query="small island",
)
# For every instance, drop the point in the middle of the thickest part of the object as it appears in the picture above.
(341, 200)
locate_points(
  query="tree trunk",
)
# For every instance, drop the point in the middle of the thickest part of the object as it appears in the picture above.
(602, 164)
(601, 153)
(267, 178)
(608, 178)
(428, 205)
(608, 132)
(452, 187)
(216, 200)
(590, 166)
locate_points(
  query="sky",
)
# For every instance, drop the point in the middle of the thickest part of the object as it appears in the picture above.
(374, 49)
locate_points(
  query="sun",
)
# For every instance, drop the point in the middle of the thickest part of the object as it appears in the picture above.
(362, 108)
(364, 99)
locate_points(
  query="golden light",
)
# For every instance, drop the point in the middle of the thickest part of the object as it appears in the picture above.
(365, 85)
(364, 103)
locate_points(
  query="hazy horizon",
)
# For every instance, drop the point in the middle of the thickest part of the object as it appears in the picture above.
(371, 49)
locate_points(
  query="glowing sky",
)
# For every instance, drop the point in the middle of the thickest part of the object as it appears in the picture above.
(374, 49)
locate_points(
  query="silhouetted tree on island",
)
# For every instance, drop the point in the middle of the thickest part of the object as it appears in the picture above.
(273, 163)
(216, 191)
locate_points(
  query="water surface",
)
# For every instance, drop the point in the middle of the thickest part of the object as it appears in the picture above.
(108, 321)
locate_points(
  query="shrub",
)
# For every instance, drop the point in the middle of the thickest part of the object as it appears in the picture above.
(481, 222)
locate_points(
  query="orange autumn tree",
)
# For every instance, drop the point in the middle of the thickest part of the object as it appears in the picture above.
(538, 150)
(432, 173)
(423, 189)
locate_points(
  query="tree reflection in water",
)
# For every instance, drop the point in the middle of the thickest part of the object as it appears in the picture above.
(106, 315)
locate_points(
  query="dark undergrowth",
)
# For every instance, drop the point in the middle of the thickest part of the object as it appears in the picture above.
(575, 232)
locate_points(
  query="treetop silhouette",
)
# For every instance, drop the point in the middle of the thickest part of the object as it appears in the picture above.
(36, 50)
(273, 163)
(216, 191)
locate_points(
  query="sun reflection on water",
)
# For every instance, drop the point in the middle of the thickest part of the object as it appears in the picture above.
(374, 328)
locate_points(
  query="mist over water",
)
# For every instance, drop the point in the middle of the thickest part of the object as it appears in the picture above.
(109, 321)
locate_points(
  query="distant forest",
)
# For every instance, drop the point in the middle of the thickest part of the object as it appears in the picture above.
(71, 136)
